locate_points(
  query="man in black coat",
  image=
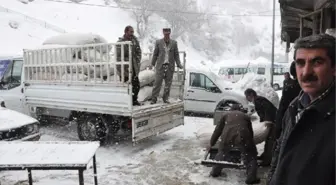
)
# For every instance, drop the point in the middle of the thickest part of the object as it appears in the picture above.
(290, 90)
(266, 112)
(305, 151)
(235, 131)
(136, 59)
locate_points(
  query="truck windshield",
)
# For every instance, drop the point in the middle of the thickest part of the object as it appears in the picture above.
(11, 76)
(4, 64)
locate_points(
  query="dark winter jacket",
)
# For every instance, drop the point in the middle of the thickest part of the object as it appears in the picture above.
(136, 54)
(265, 109)
(305, 151)
(234, 130)
(290, 91)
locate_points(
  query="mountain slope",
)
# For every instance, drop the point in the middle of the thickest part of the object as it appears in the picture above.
(26, 34)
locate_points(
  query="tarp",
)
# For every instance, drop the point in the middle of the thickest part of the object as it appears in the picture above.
(4, 64)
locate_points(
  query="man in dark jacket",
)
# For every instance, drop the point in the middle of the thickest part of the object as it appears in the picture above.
(136, 59)
(305, 151)
(290, 90)
(235, 131)
(266, 112)
(287, 80)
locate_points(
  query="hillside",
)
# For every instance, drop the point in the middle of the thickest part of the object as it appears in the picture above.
(225, 35)
(24, 34)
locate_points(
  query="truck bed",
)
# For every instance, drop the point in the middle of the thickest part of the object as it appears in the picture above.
(72, 78)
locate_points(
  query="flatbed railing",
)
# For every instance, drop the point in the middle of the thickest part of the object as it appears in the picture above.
(80, 64)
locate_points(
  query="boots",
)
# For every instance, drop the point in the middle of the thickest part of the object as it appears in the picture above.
(251, 171)
(266, 157)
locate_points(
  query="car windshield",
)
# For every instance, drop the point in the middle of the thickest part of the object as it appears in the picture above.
(220, 81)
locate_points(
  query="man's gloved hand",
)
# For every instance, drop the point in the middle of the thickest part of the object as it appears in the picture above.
(181, 67)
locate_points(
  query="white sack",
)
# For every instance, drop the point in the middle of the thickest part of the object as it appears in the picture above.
(68, 76)
(260, 131)
(146, 77)
(145, 62)
(78, 39)
(145, 93)
(117, 78)
(48, 76)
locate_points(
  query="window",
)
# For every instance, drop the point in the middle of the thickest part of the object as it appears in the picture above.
(279, 71)
(230, 71)
(4, 65)
(261, 71)
(12, 76)
(201, 81)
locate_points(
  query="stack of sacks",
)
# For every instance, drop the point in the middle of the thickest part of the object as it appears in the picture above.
(97, 54)
(146, 78)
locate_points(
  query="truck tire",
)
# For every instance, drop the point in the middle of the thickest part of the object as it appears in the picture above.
(276, 87)
(225, 104)
(92, 127)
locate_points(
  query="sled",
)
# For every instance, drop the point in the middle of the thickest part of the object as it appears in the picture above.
(231, 160)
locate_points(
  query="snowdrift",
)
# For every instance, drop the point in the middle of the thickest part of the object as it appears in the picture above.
(260, 85)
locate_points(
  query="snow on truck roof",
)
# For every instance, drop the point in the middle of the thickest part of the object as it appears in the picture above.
(46, 153)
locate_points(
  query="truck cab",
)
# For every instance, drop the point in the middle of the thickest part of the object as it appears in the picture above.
(11, 88)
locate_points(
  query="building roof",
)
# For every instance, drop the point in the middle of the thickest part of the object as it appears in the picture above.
(290, 16)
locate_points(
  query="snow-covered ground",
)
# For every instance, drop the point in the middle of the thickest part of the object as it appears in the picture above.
(168, 159)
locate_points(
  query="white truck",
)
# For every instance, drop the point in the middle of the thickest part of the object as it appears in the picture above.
(75, 83)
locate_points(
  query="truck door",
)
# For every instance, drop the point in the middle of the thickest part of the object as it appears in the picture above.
(202, 94)
(10, 85)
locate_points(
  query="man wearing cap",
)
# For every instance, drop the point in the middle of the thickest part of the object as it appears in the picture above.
(165, 55)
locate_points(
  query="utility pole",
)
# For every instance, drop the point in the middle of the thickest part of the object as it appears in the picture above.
(273, 35)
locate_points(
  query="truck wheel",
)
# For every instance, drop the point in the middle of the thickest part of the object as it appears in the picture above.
(91, 127)
(276, 87)
(225, 105)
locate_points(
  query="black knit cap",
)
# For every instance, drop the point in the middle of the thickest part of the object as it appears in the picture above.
(166, 29)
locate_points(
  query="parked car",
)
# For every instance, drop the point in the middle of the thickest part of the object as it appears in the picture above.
(17, 126)
(204, 90)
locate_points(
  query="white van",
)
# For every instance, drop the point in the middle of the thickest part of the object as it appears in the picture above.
(235, 70)
(205, 89)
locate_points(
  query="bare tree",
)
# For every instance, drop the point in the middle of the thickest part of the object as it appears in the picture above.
(141, 11)
(182, 16)
(141, 15)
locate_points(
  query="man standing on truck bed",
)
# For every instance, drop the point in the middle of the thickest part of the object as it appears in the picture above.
(267, 113)
(165, 55)
(136, 59)
(305, 151)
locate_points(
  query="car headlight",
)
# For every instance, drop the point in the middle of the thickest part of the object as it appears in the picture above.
(2, 104)
(32, 128)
